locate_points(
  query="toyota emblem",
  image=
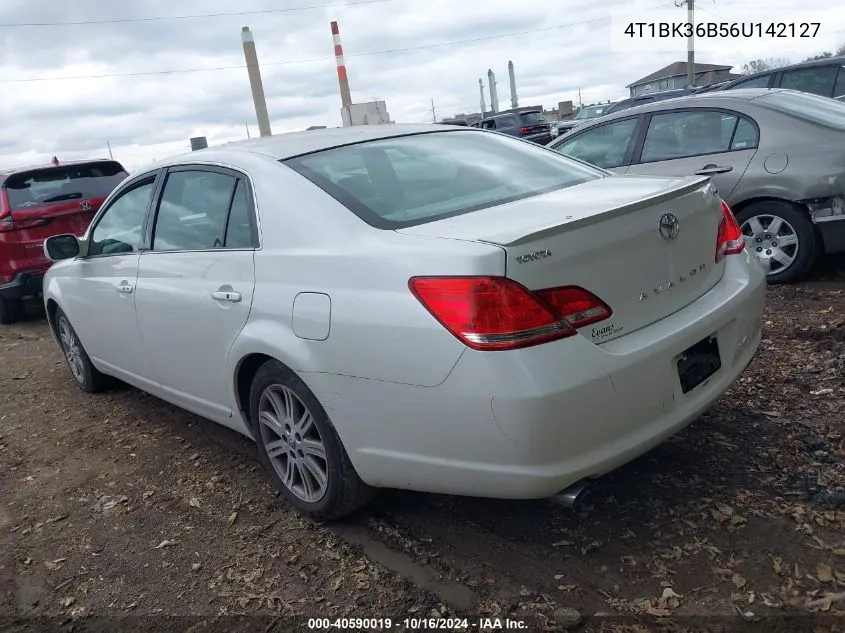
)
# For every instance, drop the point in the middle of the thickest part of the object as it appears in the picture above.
(669, 226)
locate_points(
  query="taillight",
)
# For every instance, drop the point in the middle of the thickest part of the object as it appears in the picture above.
(524, 130)
(576, 305)
(730, 240)
(5, 210)
(495, 313)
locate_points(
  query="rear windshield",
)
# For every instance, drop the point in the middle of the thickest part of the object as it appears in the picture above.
(408, 180)
(59, 184)
(532, 118)
(828, 112)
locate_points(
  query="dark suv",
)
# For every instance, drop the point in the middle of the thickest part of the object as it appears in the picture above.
(35, 203)
(528, 124)
(825, 77)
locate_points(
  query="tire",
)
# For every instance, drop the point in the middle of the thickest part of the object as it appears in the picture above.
(287, 420)
(11, 311)
(794, 225)
(85, 375)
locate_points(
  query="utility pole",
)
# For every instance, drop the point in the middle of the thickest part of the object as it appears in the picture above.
(690, 40)
(580, 103)
(109, 146)
(433, 112)
(246, 125)
(255, 82)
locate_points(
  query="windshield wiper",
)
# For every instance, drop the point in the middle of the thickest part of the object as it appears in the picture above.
(64, 196)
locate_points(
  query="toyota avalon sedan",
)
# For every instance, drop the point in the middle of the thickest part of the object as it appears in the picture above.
(430, 308)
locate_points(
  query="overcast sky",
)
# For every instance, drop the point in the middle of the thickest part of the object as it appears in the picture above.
(557, 47)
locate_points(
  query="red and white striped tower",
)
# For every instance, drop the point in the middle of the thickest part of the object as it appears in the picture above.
(342, 78)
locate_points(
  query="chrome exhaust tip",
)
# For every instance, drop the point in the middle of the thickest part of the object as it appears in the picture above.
(568, 497)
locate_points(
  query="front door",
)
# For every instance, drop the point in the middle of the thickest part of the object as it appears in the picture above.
(698, 141)
(100, 299)
(195, 285)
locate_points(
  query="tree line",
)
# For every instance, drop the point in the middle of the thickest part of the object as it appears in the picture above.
(770, 63)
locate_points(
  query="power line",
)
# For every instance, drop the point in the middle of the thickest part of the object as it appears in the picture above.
(320, 59)
(191, 16)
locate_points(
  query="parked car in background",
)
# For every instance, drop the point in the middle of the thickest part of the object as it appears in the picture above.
(650, 98)
(530, 125)
(584, 114)
(823, 77)
(458, 312)
(776, 156)
(35, 203)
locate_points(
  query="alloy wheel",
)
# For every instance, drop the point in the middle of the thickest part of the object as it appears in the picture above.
(72, 350)
(773, 241)
(293, 443)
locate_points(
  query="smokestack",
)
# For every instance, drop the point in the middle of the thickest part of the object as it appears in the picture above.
(342, 78)
(494, 97)
(481, 91)
(255, 82)
(514, 98)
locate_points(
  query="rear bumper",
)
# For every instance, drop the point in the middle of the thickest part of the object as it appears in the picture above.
(542, 139)
(24, 284)
(833, 234)
(528, 423)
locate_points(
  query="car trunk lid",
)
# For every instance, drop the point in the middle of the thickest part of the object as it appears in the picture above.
(644, 245)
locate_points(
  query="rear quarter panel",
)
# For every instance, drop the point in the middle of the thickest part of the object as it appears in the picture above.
(377, 328)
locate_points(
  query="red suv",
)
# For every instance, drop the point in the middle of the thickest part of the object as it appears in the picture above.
(35, 203)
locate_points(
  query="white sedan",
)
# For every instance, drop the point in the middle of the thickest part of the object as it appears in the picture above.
(431, 308)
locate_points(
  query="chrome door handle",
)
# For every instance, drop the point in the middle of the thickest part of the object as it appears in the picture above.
(226, 295)
(712, 170)
(125, 288)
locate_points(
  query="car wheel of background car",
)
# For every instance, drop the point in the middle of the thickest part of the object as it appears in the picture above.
(11, 311)
(300, 448)
(781, 237)
(87, 377)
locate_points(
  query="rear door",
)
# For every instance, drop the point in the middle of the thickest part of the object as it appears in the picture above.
(53, 200)
(697, 141)
(195, 284)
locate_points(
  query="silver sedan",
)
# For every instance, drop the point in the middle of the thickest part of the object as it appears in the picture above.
(776, 156)
(434, 308)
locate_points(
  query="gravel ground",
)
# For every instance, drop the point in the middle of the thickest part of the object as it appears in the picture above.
(121, 506)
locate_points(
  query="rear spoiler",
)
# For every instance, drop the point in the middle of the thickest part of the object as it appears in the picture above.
(569, 224)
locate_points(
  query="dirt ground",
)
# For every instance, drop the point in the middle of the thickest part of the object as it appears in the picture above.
(121, 506)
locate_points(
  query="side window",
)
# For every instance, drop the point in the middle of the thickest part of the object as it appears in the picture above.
(756, 82)
(489, 124)
(687, 133)
(239, 226)
(193, 211)
(839, 89)
(746, 135)
(119, 228)
(603, 146)
(818, 81)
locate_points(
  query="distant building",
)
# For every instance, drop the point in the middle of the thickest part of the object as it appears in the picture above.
(370, 113)
(674, 76)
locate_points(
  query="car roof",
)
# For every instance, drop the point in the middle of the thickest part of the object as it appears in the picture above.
(290, 144)
(5, 173)
(710, 98)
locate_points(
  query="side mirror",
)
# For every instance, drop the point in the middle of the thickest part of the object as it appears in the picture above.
(61, 247)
